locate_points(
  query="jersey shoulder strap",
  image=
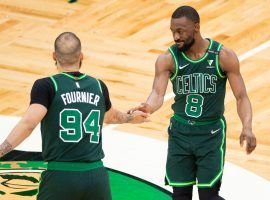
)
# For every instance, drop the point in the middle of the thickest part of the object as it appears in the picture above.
(174, 51)
(215, 48)
(214, 52)
(53, 79)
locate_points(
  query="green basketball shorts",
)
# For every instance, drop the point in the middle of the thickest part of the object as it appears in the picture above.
(195, 153)
(80, 184)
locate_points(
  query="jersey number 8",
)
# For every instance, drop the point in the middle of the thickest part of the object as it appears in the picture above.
(194, 103)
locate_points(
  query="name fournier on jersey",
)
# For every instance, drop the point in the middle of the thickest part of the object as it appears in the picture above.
(80, 97)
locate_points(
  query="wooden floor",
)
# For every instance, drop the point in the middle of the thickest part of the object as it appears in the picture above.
(121, 40)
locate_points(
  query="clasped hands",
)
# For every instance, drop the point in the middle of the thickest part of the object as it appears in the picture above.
(140, 113)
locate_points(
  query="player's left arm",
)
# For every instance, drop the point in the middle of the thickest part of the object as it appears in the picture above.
(229, 63)
(114, 116)
(24, 128)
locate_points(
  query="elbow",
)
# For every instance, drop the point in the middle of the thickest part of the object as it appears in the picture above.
(28, 126)
(241, 96)
(30, 129)
(160, 100)
(110, 118)
(243, 101)
(107, 121)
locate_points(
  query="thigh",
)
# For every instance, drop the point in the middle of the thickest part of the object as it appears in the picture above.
(210, 154)
(180, 165)
(60, 185)
(99, 185)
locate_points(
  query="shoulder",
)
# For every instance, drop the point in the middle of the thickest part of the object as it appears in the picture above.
(228, 59)
(165, 62)
(44, 85)
(106, 95)
(43, 82)
(42, 92)
(102, 83)
(104, 87)
(93, 79)
(165, 57)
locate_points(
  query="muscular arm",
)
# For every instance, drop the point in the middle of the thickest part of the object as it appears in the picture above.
(114, 116)
(24, 128)
(230, 64)
(163, 70)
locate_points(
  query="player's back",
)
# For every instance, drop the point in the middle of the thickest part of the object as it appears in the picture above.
(71, 129)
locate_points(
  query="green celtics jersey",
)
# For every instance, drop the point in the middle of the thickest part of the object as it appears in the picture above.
(71, 129)
(199, 85)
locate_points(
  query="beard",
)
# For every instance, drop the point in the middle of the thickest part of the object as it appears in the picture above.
(186, 46)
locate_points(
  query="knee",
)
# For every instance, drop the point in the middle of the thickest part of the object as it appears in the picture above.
(182, 193)
(210, 193)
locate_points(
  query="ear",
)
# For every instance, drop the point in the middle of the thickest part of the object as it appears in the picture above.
(81, 56)
(54, 56)
(197, 27)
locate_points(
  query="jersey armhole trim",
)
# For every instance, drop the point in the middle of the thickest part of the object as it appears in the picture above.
(99, 86)
(54, 83)
(175, 65)
(219, 71)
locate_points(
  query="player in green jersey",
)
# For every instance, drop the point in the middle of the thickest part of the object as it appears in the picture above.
(71, 107)
(198, 69)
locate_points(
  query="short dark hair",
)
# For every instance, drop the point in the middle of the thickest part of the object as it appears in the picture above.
(188, 12)
(67, 48)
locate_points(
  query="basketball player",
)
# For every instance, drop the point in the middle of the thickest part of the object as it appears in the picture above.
(71, 107)
(198, 69)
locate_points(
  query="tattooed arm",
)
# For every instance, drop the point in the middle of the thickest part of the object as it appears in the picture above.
(24, 128)
(114, 116)
(5, 147)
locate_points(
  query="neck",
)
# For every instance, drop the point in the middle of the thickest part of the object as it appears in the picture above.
(200, 45)
(68, 68)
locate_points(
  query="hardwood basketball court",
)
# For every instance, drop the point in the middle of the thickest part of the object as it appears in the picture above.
(121, 41)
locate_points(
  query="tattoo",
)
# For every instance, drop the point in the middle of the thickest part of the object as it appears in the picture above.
(120, 118)
(129, 118)
(5, 147)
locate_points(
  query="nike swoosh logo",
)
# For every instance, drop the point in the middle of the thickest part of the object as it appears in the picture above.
(214, 131)
(182, 67)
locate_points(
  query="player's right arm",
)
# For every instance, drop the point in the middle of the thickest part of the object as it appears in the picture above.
(24, 128)
(41, 93)
(164, 67)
